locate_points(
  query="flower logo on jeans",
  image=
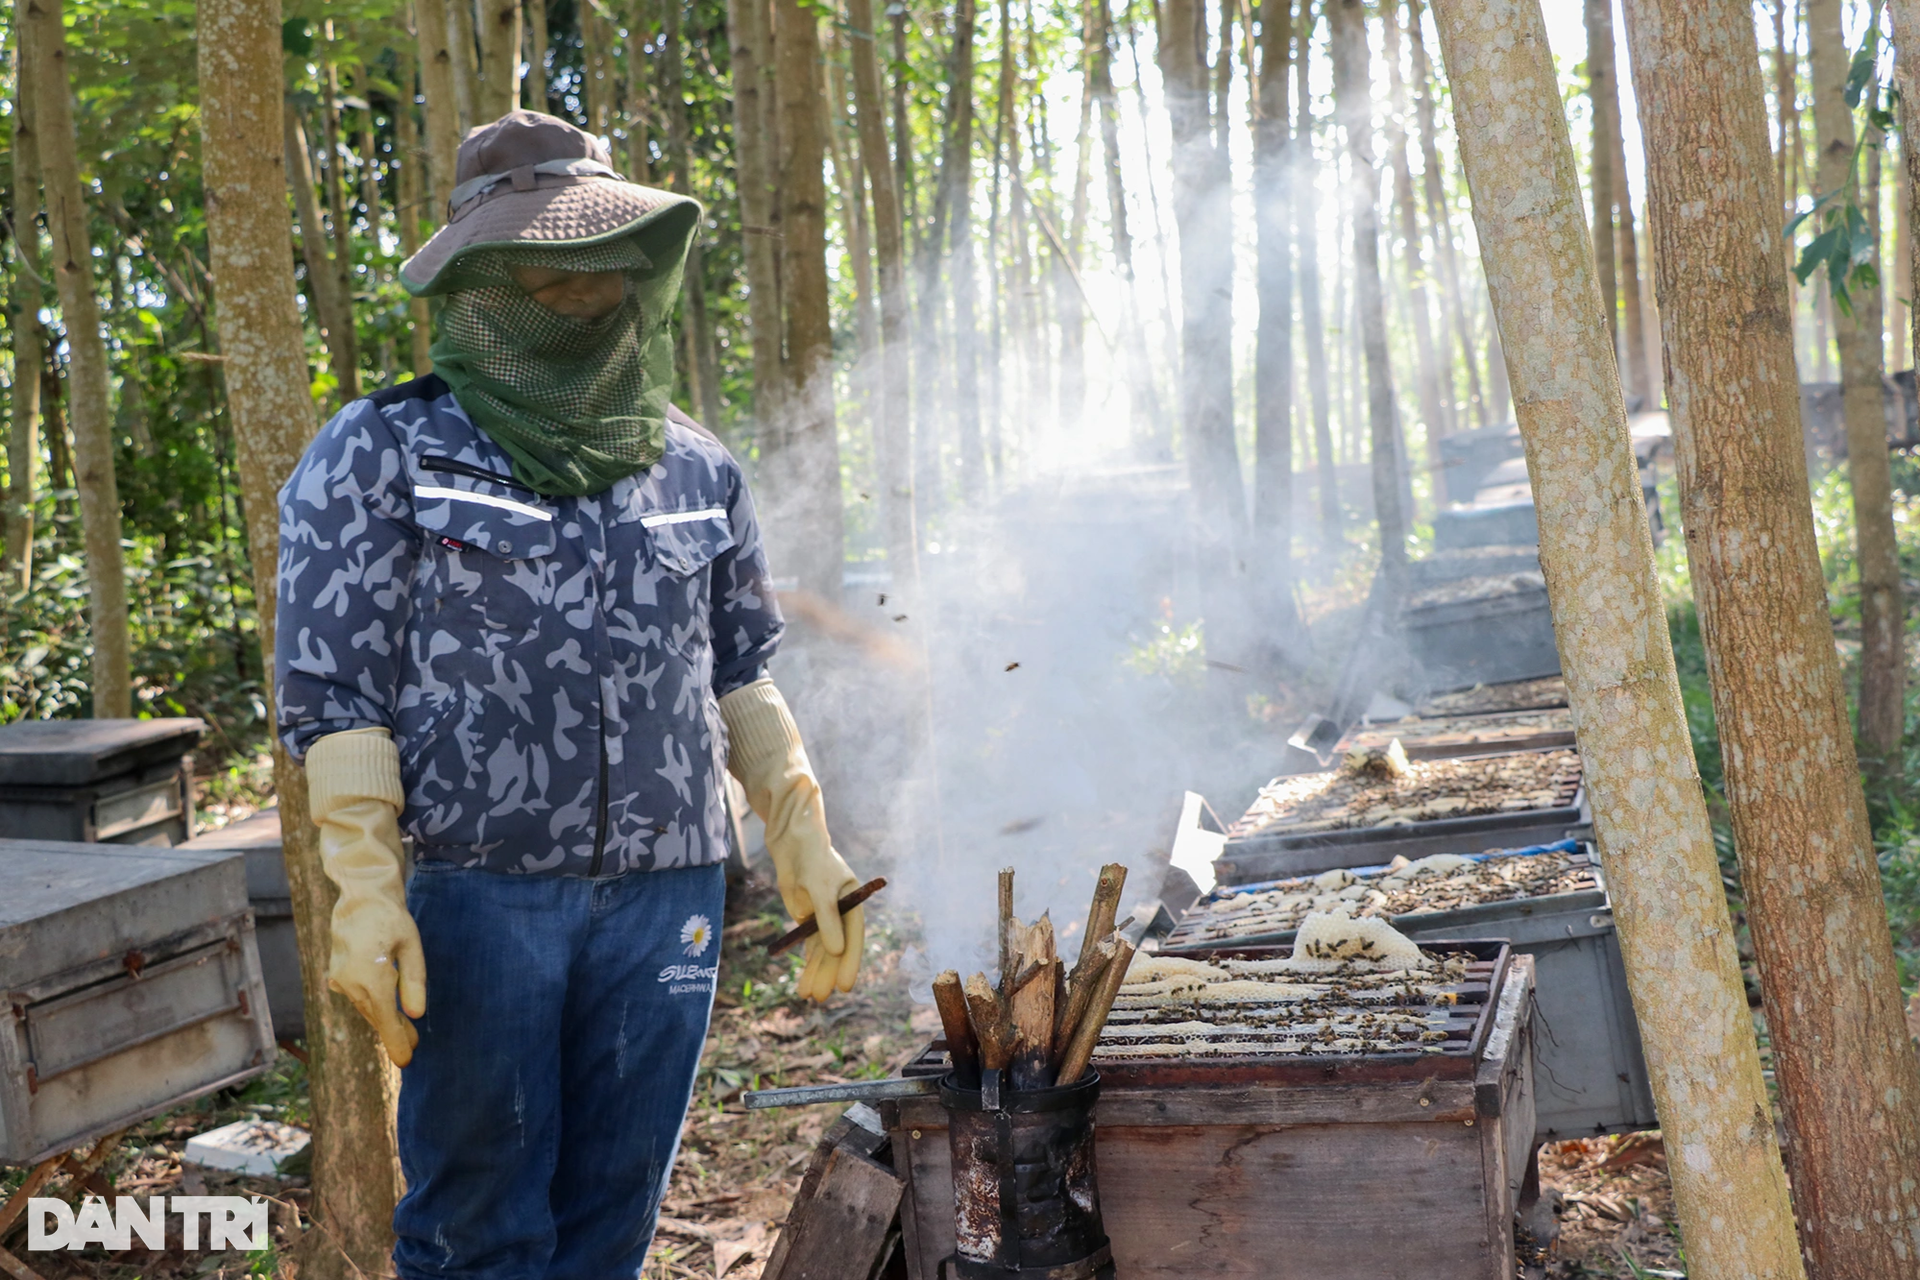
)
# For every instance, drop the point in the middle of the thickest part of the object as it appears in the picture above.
(696, 934)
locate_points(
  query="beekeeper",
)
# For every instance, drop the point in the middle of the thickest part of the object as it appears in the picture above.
(524, 619)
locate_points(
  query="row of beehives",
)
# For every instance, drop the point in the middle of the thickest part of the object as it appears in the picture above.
(1370, 1125)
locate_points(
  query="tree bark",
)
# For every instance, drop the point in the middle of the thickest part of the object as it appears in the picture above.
(1605, 104)
(1632, 292)
(1649, 812)
(1435, 407)
(1808, 868)
(534, 89)
(1353, 98)
(414, 205)
(1882, 657)
(1438, 218)
(639, 96)
(1143, 393)
(893, 424)
(334, 311)
(754, 148)
(706, 365)
(1306, 228)
(440, 102)
(464, 42)
(356, 1177)
(1202, 213)
(29, 336)
(91, 411)
(956, 177)
(1273, 340)
(499, 58)
(809, 506)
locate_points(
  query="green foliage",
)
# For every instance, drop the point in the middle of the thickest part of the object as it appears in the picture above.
(1845, 245)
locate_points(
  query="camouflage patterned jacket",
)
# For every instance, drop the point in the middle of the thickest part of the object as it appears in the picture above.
(549, 667)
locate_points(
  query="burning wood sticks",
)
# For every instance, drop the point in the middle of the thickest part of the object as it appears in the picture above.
(1040, 1023)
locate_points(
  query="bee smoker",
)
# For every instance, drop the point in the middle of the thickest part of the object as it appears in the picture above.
(1026, 1199)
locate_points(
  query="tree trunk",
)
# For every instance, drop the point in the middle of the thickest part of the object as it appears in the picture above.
(1273, 340)
(440, 102)
(533, 91)
(706, 366)
(1649, 812)
(956, 176)
(1306, 228)
(413, 205)
(334, 312)
(23, 304)
(1066, 260)
(91, 412)
(1353, 98)
(332, 173)
(893, 423)
(1435, 407)
(1632, 292)
(356, 1177)
(499, 58)
(466, 61)
(1808, 869)
(1438, 217)
(809, 507)
(1605, 104)
(754, 149)
(1882, 660)
(1143, 394)
(1203, 214)
(639, 96)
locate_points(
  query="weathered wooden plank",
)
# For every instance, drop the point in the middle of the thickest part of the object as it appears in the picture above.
(1400, 1101)
(841, 1229)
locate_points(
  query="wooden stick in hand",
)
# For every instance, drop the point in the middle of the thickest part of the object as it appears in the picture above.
(1086, 1033)
(811, 925)
(951, 1000)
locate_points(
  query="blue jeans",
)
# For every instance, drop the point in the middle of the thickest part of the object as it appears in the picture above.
(542, 1110)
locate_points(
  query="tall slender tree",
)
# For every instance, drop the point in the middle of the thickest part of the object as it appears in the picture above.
(463, 40)
(1857, 334)
(1649, 812)
(91, 411)
(1143, 392)
(1306, 230)
(326, 284)
(415, 208)
(1436, 408)
(956, 180)
(893, 428)
(29, 336)
(1202, 211)
(356, 1176)
(810, 522)
(699, 327)
(500, 39)
(1353, 98)
(1808, 868)
(438, 102)
(1439, 220)
(534, 89)
(1604, 101)
(754, 152)
(1273, 340)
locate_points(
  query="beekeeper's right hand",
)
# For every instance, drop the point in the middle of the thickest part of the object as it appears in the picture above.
(353, 788)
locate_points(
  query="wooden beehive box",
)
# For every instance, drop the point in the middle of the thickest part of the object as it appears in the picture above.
(1390, 1167)
(133, 983)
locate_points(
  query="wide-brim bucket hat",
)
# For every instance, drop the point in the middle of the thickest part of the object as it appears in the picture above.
(533, 179)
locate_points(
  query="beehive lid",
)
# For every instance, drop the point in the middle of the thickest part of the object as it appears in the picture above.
(258, 838)
(75, 753)
(63, 904)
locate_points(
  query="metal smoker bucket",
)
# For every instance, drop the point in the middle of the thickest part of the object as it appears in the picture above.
(1026, 1200)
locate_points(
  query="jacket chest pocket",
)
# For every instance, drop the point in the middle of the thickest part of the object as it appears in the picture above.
(491, 569)
(681, 544)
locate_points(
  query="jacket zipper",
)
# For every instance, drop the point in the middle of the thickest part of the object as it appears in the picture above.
(600, 806)
(455, 467)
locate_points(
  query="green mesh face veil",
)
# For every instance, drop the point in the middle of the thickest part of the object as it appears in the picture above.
(576, 404)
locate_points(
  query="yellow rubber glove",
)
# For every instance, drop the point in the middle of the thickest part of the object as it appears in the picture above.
(764, 751)
(353, 788)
